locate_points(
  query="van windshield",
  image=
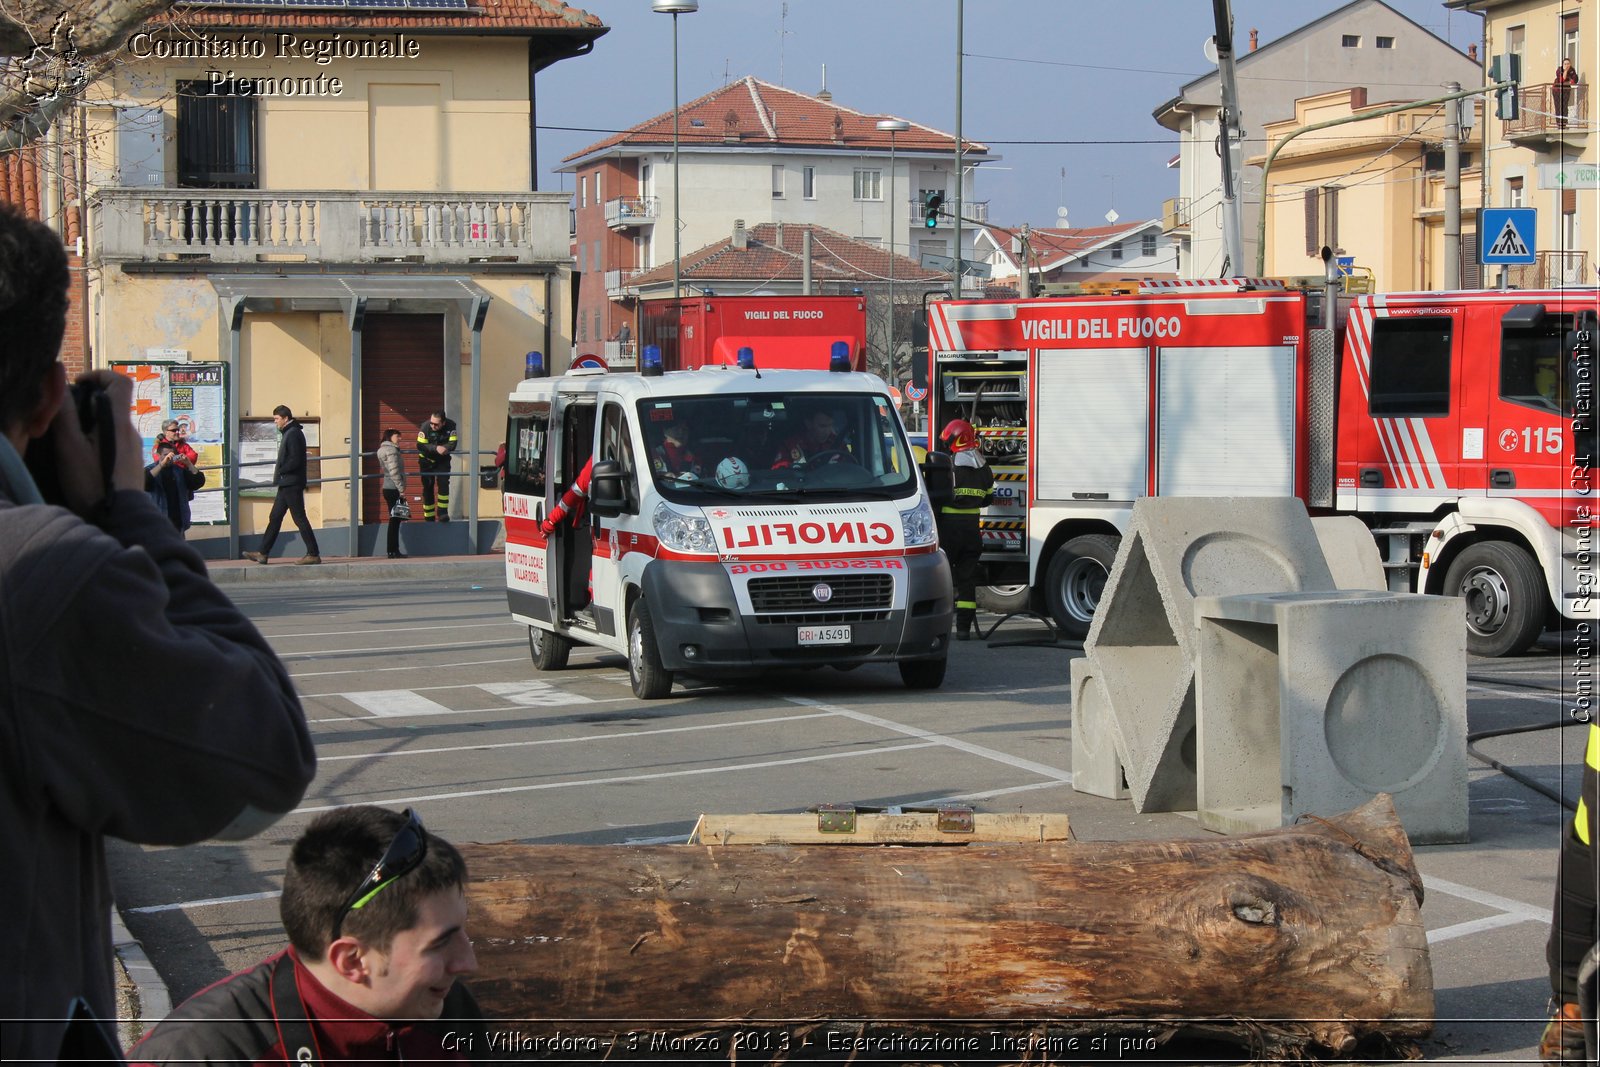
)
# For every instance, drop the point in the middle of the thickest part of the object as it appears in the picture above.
(775, 445)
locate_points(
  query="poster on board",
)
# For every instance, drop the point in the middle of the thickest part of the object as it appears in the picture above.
(196, 396)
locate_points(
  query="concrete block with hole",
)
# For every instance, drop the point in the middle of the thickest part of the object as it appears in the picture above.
(1096, 767)
(1351, 552)
(1311, 703)
(1142, 640)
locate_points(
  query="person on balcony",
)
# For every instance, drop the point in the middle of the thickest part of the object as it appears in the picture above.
(1561, 90)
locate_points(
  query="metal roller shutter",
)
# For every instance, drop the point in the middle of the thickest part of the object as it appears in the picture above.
(402, 383)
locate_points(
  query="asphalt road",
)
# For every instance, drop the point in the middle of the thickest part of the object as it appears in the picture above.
(421, 694)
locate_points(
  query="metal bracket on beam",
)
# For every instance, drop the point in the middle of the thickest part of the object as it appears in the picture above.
(836, 818)
(955, 819)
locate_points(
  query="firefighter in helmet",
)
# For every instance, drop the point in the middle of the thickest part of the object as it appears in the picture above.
(958, 520)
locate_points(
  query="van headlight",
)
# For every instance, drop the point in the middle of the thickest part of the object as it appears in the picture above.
(918, 526)
(683, 532)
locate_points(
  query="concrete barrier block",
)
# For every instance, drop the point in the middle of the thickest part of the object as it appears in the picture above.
(1143, 636)
(1350, 551)
(1096, 767)
(1312, 703)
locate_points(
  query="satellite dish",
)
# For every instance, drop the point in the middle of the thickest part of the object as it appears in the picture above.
(1209, 50)
(1061, 217)
(1112, 216)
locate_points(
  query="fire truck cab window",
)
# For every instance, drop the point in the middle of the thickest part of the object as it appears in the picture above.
(1534, 361)
(1411, 367)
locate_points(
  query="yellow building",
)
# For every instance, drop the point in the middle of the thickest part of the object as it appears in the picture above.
(335, 203)
(1372, 189)
(1545, 158)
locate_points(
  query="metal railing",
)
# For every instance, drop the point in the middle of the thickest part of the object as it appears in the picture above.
(622, 354)
(627, 211)
(1551, 270)
(1174, 213)
(617, 282)
(1540, 111)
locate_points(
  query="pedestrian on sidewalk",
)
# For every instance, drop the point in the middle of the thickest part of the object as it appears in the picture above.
(393, 465)
(436, 440)
(375, 908)
(135, 700)
(289, 476)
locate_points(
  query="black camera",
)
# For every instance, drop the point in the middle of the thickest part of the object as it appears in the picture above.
(95, 417)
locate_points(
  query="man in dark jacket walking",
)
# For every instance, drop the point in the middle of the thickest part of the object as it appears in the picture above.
(436, 441)
(289, 475)
(375, 908)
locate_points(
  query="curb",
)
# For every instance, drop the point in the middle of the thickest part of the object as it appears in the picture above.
(152, 1002)
(234, 572)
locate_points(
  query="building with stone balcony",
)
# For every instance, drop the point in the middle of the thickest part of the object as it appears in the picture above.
(336, 204)
(1546, 157)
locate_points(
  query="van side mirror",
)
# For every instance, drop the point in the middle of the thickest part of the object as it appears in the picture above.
(940, 479)
(607, 495)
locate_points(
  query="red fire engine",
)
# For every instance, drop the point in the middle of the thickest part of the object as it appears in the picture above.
(1458, 426)
(794, 332)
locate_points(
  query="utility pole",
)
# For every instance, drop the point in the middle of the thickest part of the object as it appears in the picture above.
(1452, 191)
(1229, 121)
(960, 22)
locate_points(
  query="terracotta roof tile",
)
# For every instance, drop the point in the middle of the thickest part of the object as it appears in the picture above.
(487, 16)
(754, 112)
(774, 253)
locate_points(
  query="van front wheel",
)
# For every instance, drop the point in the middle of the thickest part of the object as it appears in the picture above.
(923, 673)
(549, 651)
(651, 680)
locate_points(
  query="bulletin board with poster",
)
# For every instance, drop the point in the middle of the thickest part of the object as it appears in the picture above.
(195, 395)
(258, 453)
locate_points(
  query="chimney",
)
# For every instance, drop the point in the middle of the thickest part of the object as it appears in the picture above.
(1472, 51)
(741, 240)
(1254, 40)
(777, 237)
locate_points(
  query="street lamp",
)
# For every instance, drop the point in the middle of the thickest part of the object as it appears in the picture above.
(892, 127)
(675, 8)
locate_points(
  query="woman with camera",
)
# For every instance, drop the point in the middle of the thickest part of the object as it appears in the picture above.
(393, 465)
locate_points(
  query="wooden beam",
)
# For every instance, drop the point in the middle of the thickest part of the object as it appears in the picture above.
(880, 828)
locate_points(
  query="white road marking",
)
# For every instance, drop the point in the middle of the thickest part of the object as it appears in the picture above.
(207, 903)
(1043, 770)
(288, 634)
(533, 694)
(1520, 694)
(622, 778)
(570, 740)
(1487, 899)
(406, 649)
(1476, 926)
(408, 667)
(386, 703)
(448, 711)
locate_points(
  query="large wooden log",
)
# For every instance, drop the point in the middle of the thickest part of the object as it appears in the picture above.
(1307, 937)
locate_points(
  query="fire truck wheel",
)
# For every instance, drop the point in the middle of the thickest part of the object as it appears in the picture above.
(1004, 599)
(1504, 595)
(650, 679)
(922, 673)
(549, 651)
(1074, 581)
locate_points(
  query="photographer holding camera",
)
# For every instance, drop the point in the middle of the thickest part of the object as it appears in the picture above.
(102, 604)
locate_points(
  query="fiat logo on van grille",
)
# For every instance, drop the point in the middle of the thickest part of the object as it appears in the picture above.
(822, 592)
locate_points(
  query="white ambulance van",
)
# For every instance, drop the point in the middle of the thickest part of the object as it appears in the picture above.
(736, 520)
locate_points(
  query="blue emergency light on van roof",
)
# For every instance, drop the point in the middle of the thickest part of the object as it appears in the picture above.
(840, 360)
(650, 367)
(534, 367)
(747, 358)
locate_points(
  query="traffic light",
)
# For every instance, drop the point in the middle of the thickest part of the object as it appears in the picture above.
(930, 209)
(1506, 67)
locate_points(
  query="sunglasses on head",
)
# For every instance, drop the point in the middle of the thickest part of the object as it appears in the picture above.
(404, 855)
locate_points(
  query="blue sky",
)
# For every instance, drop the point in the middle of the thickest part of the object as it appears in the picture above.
(1035, 70)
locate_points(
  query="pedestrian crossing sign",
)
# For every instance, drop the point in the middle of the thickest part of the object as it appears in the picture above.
(1506, 235)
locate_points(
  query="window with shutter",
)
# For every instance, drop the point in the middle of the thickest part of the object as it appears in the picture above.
(1313, 242)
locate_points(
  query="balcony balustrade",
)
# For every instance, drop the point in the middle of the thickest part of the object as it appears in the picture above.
(628, 211)
(617, 283)
(1552, 270)
(247, 226)
(1539, 118)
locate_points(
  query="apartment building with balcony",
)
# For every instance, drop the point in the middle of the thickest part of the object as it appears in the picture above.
(1546, 157)
(765, 154)
(336, 201)
(1363, 44)
(1373, 190)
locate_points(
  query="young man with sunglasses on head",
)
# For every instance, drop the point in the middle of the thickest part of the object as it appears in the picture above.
(375, 908)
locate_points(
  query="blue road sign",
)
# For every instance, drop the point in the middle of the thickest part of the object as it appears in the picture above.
(1506, 235)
